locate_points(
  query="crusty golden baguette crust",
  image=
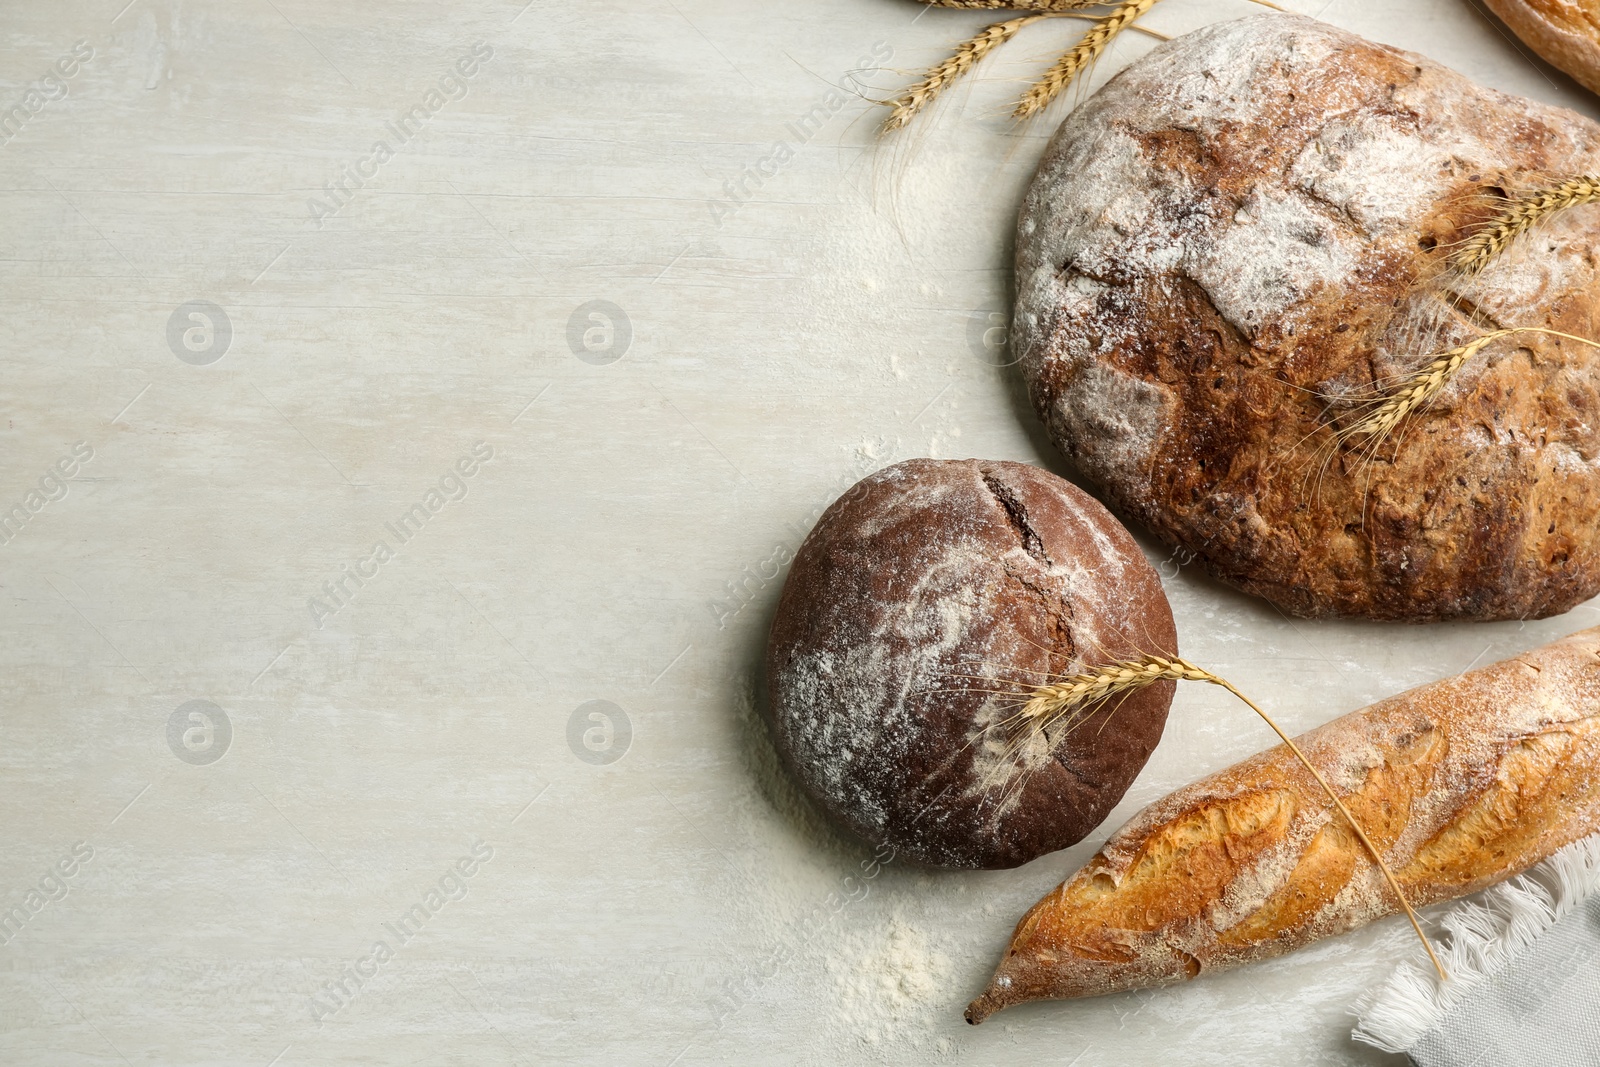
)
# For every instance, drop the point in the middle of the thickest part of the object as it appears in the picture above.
(1566, 33)
(1460, 784)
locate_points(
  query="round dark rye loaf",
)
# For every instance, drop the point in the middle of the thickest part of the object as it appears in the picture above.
(921, 592)
(1243, 236)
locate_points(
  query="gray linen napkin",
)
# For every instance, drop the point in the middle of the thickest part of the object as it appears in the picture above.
(1524, 982)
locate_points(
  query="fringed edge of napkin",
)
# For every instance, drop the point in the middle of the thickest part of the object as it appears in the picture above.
(1480, 937)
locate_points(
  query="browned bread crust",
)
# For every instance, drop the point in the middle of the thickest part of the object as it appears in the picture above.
(1566, 33)
(921, 592)
(1239, 238)
(1460, 784)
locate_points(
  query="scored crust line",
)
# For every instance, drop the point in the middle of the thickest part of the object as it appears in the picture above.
(1017, 515)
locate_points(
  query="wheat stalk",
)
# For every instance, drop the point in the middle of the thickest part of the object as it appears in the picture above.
(1042, 5)
(966, 57)
(1427, 382)
(1072, 697)
(1421, 388)
(1025, 5)
(1520, 216)
(1073, 693)
(1094, 42)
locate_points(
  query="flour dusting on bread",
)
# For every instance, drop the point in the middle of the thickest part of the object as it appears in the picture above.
(1240, 240)
(924, 606)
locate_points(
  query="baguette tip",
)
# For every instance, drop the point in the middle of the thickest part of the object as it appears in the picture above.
(984, 1006)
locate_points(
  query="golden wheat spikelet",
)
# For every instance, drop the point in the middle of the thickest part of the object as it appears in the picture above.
(1030, 5)
(1520, 216)
(939, 78)
(1072, 697)
(1421, 388)
(1427, 382)
(1050, 702)
(1086, 51)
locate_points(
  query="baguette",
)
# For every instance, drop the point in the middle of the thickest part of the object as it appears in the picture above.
(1565, 34)
(1460, 784)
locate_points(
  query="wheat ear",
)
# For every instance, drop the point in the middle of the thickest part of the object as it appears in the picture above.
(1027, 5)
(1071, 698)
(1520, 216)
(965, 57)
(1085, 52)
(1427, 382)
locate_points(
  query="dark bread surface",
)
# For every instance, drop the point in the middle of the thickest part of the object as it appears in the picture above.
(923, 589)
(1240, 238)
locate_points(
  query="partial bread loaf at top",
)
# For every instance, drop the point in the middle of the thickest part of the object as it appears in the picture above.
(1241, 237)
(1566, 33)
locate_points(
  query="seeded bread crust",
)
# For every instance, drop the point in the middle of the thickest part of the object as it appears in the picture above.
(1566, 33)
(1240, 239)
(1460, 784)
(925, 598)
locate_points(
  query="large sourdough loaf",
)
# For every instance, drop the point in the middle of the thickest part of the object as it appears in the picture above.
(1241, 238)
(1460, 784)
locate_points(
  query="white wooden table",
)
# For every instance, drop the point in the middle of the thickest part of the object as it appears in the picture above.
(259, 346)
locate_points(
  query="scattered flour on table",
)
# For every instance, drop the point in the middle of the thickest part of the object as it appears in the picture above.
(892, 983)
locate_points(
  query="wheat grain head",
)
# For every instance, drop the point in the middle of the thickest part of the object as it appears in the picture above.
(939, 78)
(1519, 216)
(1026, 5)
(1085, 52)
(1420, 388)
(1423, 386)
(1070, 695)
